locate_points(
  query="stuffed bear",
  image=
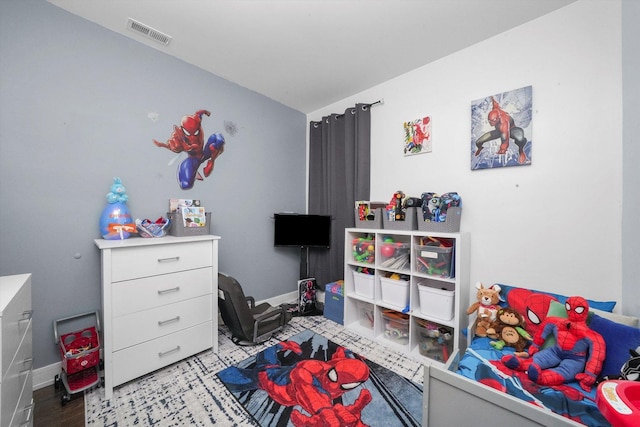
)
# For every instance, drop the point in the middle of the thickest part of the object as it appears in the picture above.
(509, 327)
(486, 308)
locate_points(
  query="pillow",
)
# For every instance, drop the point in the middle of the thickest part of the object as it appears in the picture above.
(619, 339)
(558, 310)
(600, 305)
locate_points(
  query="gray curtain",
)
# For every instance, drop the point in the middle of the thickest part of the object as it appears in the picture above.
(339, 158)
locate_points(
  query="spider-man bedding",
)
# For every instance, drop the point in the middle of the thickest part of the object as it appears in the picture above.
(482, 362)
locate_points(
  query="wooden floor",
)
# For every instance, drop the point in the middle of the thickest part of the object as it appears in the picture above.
(49, 411)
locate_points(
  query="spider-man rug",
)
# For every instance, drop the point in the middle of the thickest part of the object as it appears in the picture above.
(309, 380)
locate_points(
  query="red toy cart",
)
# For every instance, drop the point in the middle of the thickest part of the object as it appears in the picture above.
(80, 352)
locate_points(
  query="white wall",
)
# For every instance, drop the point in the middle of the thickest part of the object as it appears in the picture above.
(554, 225)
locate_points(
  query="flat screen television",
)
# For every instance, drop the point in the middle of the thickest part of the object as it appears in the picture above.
(302, 230)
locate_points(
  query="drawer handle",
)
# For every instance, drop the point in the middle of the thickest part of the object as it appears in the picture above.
(26, 316)
(175, 258)
(29, 361)
(164, 322)
(29, 408)
(166, 291)
(164, 353)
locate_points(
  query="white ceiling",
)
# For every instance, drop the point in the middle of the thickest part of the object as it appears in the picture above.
(308, 54)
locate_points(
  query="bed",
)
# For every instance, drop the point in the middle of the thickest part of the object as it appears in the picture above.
(475, 388)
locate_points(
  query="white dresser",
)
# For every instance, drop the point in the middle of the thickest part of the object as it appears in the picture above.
(159, 303)
(16, 361)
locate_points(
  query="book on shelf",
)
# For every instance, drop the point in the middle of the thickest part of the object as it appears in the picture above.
(193, 216)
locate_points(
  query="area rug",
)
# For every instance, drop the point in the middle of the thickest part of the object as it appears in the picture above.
(309, 380)
(189, 393)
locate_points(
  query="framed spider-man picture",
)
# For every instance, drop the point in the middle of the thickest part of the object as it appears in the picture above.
(501, 127)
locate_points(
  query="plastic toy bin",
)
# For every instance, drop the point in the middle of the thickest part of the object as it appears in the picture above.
(395, 291)
(437, 299)
(363, 284)
(365, 315)
(396, 326)
(434, 260)
(394, 255)
(435, 341)
(363, 250)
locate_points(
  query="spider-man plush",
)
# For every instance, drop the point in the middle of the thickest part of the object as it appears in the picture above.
(577, 354)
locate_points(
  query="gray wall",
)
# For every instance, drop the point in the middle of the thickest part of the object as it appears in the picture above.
(74, 114)
(631, 156)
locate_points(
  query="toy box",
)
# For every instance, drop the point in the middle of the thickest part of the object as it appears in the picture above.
(435, 341)
(363, 250)
(334, 301)
(396, 326)
(395, 292)
(434, 260)
(363, 284)
(436, 299)
(365, 315)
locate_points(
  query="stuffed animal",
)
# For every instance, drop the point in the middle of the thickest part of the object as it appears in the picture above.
(577, 354)
(486, 308)
(117, 193)
(630, 371)
(509, 327)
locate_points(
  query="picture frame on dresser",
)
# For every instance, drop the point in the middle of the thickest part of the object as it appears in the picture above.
(159, 303)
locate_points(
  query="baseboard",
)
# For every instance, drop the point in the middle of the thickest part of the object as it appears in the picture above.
(45, 376)
(289, 298)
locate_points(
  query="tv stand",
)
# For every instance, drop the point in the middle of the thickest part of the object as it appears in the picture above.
(304, 262)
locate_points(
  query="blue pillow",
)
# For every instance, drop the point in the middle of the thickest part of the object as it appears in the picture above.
(619, 339)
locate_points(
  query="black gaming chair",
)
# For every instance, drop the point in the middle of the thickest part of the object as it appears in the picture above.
(249, 324)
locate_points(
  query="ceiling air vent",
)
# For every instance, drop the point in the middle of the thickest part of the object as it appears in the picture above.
(148, 32)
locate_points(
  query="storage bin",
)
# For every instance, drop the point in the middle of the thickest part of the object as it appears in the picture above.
(375, 223)
(434, 341)
(437, 299)
(409, 222)
(177, 228)
(396, 326)
(395, 292)
(365, 314)
(451, 224)
(394, 255)
(363, 284)
(363, 250)
(434, 260)
(334, 307)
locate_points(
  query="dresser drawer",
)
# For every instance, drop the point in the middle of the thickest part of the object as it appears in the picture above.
(146, 325)
(135, 262)
(130, 296)
(23, 416)
(16, 319)
(141, 359)
(15, 380)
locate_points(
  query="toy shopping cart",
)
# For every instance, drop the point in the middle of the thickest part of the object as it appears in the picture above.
(80, 352)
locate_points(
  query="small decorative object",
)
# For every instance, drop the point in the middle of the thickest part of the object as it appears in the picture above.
(159, 228)
(115, 221)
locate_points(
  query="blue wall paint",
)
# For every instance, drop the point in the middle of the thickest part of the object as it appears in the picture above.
(74, 114)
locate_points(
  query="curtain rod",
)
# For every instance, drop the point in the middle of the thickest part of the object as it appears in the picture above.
(380, 101)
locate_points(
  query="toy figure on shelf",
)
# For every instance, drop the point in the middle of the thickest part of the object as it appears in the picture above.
(190, 139)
